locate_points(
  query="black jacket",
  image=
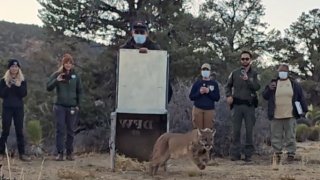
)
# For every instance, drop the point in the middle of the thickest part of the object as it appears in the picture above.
(269, 95)
(12, 97)
(131, 44)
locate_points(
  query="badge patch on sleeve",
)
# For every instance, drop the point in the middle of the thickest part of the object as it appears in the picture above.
(211, 88)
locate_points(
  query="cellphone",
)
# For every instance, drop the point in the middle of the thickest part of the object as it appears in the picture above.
(13, 81)
(66, 77)
(243, 73)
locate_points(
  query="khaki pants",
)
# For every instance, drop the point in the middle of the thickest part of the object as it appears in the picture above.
(283, 135)
(202, 118)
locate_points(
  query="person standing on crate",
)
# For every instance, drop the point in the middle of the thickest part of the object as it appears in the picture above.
(241, 95)
(140, 40)
(66, 107)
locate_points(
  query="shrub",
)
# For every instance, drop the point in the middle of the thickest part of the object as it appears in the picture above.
(302, 132)
(314, 133)
(34, 132)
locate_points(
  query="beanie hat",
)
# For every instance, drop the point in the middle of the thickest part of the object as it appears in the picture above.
(13, 62)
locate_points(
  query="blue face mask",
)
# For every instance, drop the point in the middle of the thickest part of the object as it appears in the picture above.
(283, 75)
(205, 74)
(139, 38)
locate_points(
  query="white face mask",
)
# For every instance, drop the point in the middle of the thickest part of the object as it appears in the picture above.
(205, 74)
(283, 75)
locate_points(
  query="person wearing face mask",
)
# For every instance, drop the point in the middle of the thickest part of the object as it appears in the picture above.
(140, 40)
(204, 93)
(13, 88)
(285, 103)
(241, 95)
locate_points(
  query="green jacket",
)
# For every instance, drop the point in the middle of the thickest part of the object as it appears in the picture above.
(69, 92)
(241, 89)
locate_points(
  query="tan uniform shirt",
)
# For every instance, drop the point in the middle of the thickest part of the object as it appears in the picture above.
(284, 93)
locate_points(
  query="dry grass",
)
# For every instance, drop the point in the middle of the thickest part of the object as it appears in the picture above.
(194, 173)
(128, 164)
(41, 168)
(8, 160)
(74, 174)
(21, 174)
(287, 177)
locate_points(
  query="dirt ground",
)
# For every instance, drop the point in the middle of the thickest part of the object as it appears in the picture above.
(97, 166)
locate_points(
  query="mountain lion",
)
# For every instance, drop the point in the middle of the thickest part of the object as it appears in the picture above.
(195, 144)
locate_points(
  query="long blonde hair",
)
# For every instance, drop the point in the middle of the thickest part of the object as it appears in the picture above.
(19, 78)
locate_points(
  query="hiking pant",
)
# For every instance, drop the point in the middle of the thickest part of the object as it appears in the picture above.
(202, 118)
(239, 113)
(65, 122)
(283, 135)
(17, 114)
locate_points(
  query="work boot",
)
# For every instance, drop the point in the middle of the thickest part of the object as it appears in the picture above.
(70, 157)
(290, 158)
(247, 159)
(25, 158)
(59, 157)
(278, 158)
(235, 158)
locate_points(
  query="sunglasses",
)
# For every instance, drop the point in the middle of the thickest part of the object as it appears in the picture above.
(245, 59)
(205, 69)
(139, 31)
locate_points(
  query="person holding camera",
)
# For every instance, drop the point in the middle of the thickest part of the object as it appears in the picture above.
(286, 103)
(204, 93)
(69, 91)
(241, 95)
(13, 88)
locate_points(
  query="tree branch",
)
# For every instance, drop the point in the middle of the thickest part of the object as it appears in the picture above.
(107, 7)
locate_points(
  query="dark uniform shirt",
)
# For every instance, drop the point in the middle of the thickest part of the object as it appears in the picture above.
(241, 89)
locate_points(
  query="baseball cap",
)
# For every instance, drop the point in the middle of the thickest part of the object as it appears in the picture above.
(206, 65)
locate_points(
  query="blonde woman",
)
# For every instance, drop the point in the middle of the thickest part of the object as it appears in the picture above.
(69, 89)
(13, 88)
